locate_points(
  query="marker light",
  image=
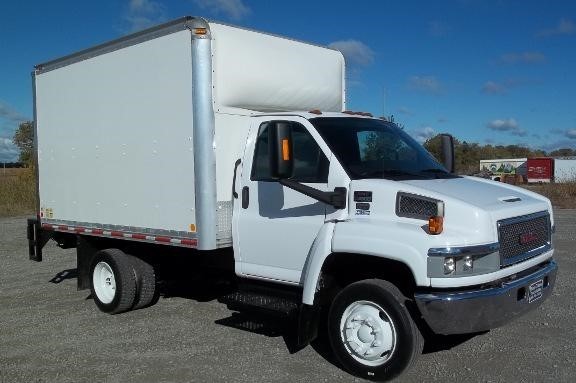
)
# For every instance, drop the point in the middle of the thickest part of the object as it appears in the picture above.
(285, 150)
(435, 225)
(449, 265)
(200, 31)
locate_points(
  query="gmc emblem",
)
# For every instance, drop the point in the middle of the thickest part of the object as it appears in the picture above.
(527, 238)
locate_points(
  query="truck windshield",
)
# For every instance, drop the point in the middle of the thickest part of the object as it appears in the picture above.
(369, 148)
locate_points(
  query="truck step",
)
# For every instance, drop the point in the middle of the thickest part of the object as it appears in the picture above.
(249, 300)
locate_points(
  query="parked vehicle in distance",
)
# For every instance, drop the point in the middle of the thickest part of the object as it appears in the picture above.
(499, 168)
(565, 169)
(232, 149)
(540, 170)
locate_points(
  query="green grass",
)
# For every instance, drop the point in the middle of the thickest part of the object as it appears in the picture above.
(17, 192)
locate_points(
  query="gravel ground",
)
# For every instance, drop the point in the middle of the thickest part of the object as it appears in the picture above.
(51, 332)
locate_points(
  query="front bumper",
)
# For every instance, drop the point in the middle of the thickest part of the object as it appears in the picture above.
(469, 311)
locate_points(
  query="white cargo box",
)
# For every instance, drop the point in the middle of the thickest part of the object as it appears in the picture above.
(138, 138)
(564, 170)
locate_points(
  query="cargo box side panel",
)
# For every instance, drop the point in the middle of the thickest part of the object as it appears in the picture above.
(115, 138)
(257, 71)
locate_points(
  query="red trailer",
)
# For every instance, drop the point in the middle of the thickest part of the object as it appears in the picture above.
(540, 170)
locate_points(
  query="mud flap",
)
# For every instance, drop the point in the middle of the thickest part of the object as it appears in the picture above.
(37, 238)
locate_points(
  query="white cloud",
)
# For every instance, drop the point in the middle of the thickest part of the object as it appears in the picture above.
(523, 58)
(507, 125)
(143, 14)
(492, 87)
(570, 133)
(502, 87)
(425, 83)
(423, 134)
(564, 27)
(233, 9)
(8, 151)
(355, 52)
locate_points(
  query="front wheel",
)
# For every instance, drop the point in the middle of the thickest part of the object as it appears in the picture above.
(371, 332)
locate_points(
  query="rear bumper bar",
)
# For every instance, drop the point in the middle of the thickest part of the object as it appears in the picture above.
(462, 312)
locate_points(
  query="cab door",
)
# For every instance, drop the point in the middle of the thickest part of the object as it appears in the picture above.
(273, 225)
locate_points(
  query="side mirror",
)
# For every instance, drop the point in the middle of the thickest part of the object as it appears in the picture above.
(280, 149)
(447, 152)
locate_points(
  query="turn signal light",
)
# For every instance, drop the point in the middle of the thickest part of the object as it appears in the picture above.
(285, 150)
(435, 225)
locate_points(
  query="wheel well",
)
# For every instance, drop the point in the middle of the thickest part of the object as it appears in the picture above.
(342, 269)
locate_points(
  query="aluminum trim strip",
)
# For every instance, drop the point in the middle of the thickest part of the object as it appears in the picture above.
(133, 236)
(204, 153)
(177, 25)
(464, 250)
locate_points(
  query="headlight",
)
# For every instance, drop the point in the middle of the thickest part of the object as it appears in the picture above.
(463, 261)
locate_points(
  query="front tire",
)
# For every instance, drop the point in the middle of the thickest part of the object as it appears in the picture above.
(113, 282)
(371, 331)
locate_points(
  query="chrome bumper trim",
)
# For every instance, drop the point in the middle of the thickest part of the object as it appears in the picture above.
(469, 311)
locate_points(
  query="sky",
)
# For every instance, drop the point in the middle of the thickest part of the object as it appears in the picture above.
(497, 72)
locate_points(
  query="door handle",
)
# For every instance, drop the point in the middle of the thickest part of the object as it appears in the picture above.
(238, 161)
(245, 197)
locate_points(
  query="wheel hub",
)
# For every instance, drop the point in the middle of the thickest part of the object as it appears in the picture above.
(368, 333)
(104, 282)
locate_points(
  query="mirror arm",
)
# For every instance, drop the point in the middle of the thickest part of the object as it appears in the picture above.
(337, 198)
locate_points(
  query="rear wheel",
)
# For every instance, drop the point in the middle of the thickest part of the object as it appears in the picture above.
(146, 292)
(371, 332)
(113, 282)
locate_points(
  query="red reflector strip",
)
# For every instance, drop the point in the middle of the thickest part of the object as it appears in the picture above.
(188, 242)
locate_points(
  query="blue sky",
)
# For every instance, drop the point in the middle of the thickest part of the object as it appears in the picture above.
(487, 71)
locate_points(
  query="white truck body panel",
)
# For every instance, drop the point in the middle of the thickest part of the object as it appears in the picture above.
(113, 149)
(262, 72)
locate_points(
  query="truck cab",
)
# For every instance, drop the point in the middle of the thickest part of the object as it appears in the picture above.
(341, 201)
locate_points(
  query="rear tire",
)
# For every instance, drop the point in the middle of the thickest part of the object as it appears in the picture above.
(146, 293)
(371, 331)
(113, 281)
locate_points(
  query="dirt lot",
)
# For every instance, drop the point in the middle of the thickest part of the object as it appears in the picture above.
(50, 332)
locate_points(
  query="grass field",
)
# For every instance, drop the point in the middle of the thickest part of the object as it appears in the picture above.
(18, 189)
(17, 192)
(563, 196)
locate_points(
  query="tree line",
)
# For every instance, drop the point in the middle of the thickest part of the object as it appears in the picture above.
(468, 155)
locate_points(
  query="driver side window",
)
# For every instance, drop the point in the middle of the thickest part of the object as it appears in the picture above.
(310, 163)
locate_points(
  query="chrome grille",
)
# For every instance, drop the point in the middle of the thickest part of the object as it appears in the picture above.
(523, 237)
(416, 206)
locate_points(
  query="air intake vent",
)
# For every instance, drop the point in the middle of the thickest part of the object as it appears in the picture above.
(417, 206)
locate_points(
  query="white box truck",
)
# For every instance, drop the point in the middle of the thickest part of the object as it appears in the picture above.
(223, 146)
